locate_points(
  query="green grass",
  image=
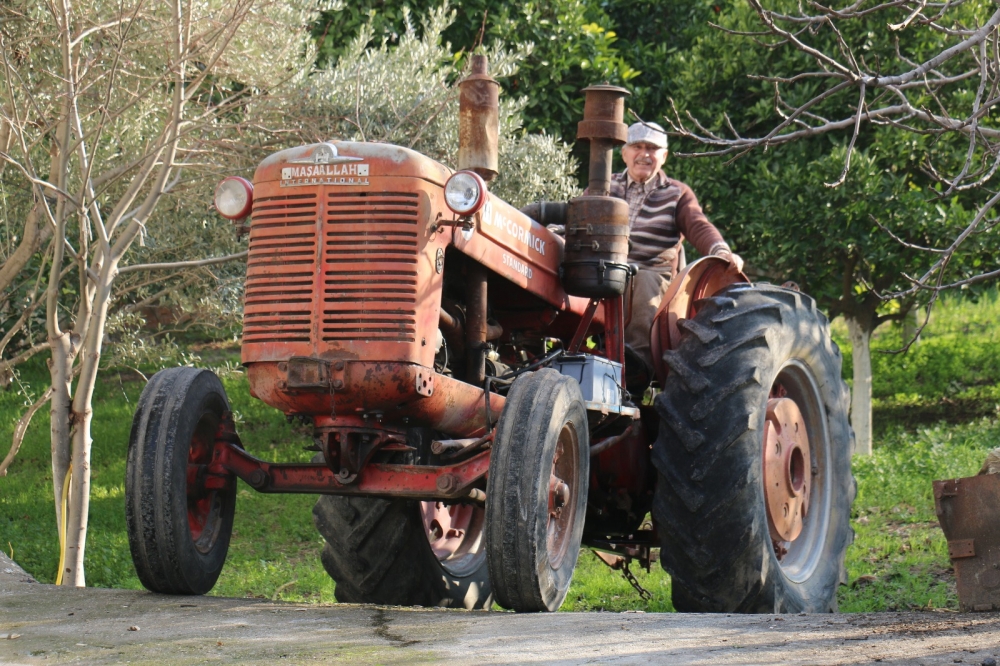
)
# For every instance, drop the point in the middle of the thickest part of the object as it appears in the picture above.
(898, 560)
(952, 374)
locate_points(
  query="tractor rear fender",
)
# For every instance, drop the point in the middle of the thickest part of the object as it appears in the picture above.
(700, 279)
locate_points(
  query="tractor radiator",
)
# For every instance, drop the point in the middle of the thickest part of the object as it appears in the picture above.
(365, 287)
(281, 269)
(370, 267)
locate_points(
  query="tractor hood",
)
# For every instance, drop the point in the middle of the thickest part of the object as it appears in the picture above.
(348, 163)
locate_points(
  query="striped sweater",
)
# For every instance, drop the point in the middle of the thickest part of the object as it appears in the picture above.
(662, 213)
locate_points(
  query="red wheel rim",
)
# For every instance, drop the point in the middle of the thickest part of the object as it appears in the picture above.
(562, 494)
(786, 459)
(455, 534)
(203, 506)
(797, 476)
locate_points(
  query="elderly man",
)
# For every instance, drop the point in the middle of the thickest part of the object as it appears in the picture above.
(662, 212)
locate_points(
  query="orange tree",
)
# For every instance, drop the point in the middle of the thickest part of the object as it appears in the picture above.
(848, 151)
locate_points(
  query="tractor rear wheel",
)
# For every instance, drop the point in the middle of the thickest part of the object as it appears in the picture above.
(536, 495)
(404, 552)
(178, 529)
(755, 487)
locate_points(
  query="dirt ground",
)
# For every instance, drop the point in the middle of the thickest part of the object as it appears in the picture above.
(44, 624)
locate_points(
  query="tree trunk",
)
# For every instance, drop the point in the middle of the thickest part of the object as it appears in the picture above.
(61, 372)
(861, 392)
(83, 414)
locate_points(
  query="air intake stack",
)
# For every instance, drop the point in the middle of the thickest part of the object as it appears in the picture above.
(596, 255)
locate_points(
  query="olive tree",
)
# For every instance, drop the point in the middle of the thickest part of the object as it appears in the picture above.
(105, 107)
(406, 93)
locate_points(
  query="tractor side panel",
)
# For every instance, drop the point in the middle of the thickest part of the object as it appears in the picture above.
(518, 248)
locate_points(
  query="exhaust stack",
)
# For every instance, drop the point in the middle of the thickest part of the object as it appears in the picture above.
(603, 126)
(479, 120)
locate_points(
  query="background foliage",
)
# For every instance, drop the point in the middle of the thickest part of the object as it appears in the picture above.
(567, 45)
(402, 91)
(771, 205)
(776, 205)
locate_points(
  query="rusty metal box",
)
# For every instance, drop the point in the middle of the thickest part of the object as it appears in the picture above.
(969, 513)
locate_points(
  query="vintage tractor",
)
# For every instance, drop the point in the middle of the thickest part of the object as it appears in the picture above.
(464, 371)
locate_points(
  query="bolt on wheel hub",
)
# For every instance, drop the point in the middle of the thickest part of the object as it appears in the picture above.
(787, 469)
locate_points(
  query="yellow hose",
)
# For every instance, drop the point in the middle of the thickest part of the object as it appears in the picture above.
(65, 519)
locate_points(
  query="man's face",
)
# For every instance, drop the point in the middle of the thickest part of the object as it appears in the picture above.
(643, 160)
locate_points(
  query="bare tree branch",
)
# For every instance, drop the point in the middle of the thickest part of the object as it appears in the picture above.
(21, 428)
(854, 138)
(173, 265)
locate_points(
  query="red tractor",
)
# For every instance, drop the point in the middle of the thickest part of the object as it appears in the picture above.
(464, 371)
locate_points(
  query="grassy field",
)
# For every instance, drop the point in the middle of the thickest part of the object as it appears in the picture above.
(898, 559)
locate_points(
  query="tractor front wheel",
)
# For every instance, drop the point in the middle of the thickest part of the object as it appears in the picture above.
(178, 521)
(536, 495)
(755, 488)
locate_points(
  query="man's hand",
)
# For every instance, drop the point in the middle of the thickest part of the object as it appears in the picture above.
(735, 260)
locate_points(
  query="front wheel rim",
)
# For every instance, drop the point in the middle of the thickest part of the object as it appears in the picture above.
(204, 506)
(562, 491)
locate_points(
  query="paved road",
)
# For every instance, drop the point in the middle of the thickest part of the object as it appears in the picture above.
(50, 625)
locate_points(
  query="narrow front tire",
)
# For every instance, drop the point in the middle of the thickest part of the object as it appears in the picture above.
(178, 526)
(536, 496)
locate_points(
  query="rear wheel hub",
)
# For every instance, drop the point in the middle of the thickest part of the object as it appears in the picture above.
(787, 466)
(455, 534)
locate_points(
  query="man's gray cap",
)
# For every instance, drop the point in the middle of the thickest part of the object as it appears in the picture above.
(647, 133)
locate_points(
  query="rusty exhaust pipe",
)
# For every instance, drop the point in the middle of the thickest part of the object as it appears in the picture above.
(478, 129)
(603, 125)
(476, 328)
(479, 121)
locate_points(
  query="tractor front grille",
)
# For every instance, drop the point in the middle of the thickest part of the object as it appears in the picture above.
(370, 267)
(368, 277)
(281, 269)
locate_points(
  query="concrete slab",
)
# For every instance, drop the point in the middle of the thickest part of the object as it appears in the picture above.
(45, 624)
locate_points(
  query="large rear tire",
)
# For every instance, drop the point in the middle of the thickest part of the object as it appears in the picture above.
(536, 496)
(178, 532)
(748, 352)
(403, 552)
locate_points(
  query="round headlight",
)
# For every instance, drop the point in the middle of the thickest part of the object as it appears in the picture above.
(465, 192)
(234, 198)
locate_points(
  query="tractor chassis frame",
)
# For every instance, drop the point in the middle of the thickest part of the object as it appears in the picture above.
(422, 482)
